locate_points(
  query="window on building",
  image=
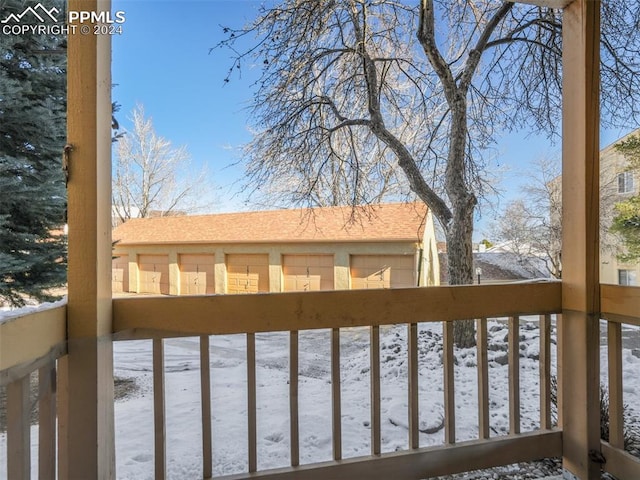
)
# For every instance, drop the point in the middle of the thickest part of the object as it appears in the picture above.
(625, 182)
(627, 277)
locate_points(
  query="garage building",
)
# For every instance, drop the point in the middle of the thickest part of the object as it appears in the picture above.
(383, 246)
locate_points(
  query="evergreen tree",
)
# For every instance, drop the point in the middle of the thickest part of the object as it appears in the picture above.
(627, 224)
(32, 185)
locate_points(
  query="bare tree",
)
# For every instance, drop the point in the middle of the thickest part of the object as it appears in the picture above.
(150, 176)
(532, 225)
(428, 84)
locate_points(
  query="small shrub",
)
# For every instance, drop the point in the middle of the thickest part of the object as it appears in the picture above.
(630, 423)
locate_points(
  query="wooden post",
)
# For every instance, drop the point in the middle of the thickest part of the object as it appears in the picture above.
(580, 238)
(89, 434)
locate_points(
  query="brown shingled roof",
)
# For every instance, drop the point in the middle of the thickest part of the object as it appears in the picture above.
(386, 222)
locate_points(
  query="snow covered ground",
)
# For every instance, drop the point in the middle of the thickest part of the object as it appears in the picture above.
(134, 415)
(229, 399)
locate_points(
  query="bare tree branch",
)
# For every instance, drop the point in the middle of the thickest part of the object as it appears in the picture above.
(365, 100)
(151, 177)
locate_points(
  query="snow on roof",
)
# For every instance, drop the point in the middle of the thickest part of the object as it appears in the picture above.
(501, 266)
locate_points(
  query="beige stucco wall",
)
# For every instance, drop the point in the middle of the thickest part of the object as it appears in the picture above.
(340, 251)
(611, 164)
(430, 271)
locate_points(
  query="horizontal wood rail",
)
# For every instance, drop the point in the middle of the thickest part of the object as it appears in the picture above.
(30, 343)
(231, 314)
(620, 304)
(165, 317)
(619, 463)
(425, 462)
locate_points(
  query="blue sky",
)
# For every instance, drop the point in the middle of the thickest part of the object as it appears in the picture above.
(162, 61)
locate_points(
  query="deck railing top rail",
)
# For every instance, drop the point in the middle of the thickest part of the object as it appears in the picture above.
(30, 340)
(620, 304)
(231, 314)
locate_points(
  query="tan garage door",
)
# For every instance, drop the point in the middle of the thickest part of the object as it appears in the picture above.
(120, 274)
(154, 273)
(247, 273)
(382, 271)
(196, 274)
(307, 272)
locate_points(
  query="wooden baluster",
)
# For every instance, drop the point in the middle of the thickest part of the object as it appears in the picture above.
(514, 375)
(62, 406)
(18, 429)
(449, 385)
(47, 421)
(559, 389)
(483, 379)
(545, 372)
(335, 393)
(376, 436)
(412, 350)
(251, 402)
(616, 420)
(205, 392)
(159, 409)
(293, 398)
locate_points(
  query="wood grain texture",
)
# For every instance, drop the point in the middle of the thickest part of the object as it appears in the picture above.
(228, 314)
(483, 379)
(425, 462)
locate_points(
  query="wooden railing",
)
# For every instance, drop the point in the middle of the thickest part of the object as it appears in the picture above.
(37, 343)
(30, 346)
(619, 305)
(164, 317)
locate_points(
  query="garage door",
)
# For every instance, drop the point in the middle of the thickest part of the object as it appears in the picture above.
(247, 273)
(196, 274)
(120, 274)
(307, 272)
(154, 273)
(382, 271)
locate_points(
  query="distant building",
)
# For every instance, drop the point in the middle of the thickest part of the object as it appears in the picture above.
(385, 246)
(500, 267)
(617, 184)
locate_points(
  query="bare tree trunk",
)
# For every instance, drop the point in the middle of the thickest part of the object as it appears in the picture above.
(460, 266)
(342, 86)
